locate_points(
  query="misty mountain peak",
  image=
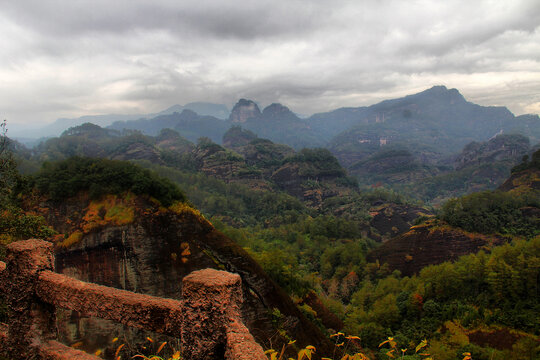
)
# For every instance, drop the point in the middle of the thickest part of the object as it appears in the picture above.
(189, 114)
(171, 110)
(243, 110)
(441, 92)
(276, 109)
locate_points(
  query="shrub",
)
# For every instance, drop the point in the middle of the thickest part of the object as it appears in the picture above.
(99, 177)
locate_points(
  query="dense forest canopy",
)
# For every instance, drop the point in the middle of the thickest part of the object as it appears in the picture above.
(67, 178)
(322, 247)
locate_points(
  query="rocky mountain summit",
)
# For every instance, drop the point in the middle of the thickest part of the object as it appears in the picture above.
(499, 148)
(244, 110)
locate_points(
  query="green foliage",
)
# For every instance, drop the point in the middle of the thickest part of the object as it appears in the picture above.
(302, 254)
(236, 136)
(175, 159)
(123, 143)
(492, 212)
(88, 130)
(282, 268)
(453, 183)
(325, 249)
(316, 162)
(387, 195)
(16, 225)
(486, 291)
(526, 164)
(233, 202)
(99, 176)
(8, 171)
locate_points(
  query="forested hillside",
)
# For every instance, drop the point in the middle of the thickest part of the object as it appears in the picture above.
(404, 242)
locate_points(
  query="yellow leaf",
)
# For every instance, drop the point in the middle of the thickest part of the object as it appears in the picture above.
(118, 350)
(161, 347)
(422, 344)
(98, 352)
(176, 355)
(311, 347)
(150, 339)
(384, 342)
(351, 337)
(292, 342)
(115, 340)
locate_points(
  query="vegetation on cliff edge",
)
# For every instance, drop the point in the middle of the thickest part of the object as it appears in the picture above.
(66, 178)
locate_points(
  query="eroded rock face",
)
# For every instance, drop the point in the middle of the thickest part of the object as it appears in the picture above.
(278, 111)
(218, 162)
(430, 244)
(153, 252)
(500, 148)
(522, 181)
(139, 151)
(244, 110)
(308, 183)
(392, 219)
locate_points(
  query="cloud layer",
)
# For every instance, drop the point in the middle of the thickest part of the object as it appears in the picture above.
(70, 58)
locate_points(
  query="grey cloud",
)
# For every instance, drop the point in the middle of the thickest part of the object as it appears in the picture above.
(105, 55)
(246, 20)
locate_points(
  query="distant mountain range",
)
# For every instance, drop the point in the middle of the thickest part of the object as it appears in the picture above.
(28, 136)
(395, 142)
(437, 120)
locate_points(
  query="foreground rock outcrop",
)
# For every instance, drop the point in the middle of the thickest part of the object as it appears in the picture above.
(134, 243)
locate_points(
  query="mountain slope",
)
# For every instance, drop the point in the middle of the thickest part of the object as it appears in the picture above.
(469, 224)
(438, 118)
(277, 123)
(138, 243)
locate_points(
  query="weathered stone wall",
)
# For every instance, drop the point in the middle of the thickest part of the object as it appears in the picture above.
(208, 320)
(128, 308)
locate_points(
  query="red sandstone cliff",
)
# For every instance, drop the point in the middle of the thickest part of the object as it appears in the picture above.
(135, 244)
(429, 244)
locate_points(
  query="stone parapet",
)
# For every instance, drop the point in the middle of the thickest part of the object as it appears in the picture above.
(126, 307)
(208, 319)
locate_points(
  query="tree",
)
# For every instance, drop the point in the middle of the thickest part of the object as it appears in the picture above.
(8, 172)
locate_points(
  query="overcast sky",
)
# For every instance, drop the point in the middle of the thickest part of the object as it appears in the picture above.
(68, 58)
